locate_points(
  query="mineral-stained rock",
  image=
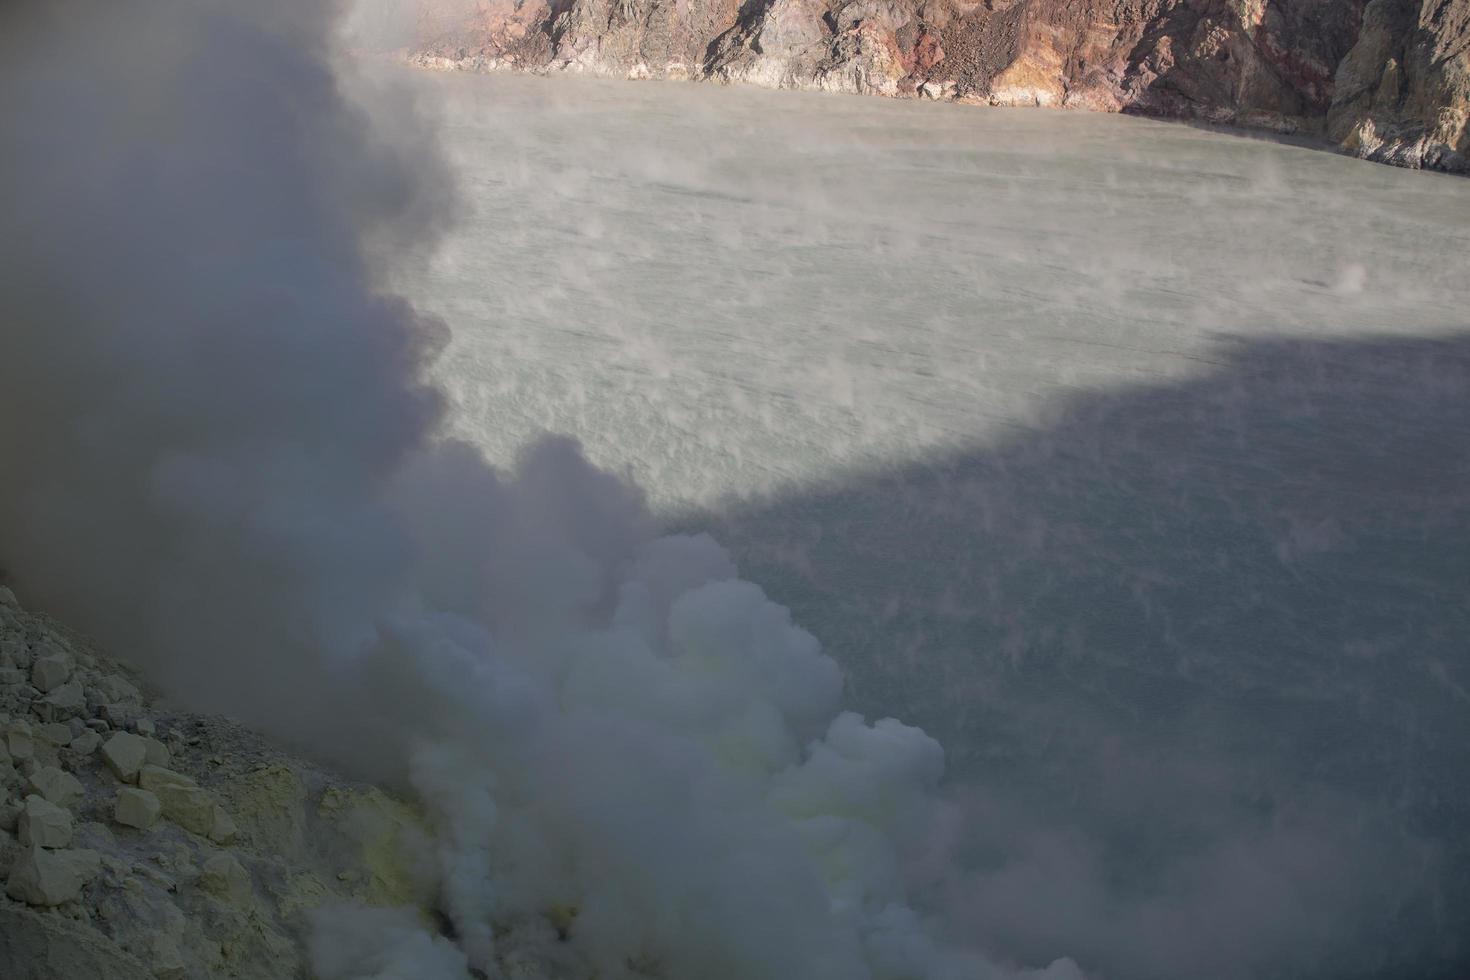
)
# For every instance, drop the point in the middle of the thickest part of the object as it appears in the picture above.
(224, 876)
(172, 902)
(270, 804)
(188, 806)
(44, 824)
(1386, 79)
(42, 877)
(136, 808)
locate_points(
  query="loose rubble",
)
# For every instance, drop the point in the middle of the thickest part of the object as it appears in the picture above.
(139, 841)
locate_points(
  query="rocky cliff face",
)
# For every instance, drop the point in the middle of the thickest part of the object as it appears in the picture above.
(1388, 80)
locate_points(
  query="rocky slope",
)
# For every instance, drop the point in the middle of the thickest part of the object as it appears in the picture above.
(137, 841)
(1387, 80)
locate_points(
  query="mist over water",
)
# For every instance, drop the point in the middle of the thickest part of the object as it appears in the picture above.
(225, 460)
(1129, 459)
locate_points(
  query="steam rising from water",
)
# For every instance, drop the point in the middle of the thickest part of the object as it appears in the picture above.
(222, 459)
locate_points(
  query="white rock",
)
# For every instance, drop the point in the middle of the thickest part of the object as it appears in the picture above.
(145, 726)
(125, 754)
(136, 808)
(158, 754)
(64, 701)
(41, 877)
(18, 740)
(7, 598)
(44, 824)
(15, 653)
(112, 688)
(55, 786)
(86, 743)
(51, 671)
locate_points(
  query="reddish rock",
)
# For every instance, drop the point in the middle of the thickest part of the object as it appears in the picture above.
(1385, 79)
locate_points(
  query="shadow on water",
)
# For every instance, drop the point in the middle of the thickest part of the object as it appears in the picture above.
(1199, 653)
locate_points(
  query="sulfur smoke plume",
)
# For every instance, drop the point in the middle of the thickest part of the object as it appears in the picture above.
(220, 457)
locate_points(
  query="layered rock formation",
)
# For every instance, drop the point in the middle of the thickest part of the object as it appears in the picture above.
(1388, 80)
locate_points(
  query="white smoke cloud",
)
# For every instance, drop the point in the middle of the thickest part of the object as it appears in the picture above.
(222, 459)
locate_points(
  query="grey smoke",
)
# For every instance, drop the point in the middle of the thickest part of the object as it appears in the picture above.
(222, 459)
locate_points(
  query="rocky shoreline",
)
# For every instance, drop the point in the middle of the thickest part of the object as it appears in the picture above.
(1384, 80)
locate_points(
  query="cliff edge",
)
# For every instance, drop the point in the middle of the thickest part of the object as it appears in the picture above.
(1386, 80)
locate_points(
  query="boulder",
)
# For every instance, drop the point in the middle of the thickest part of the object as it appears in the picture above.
(42, 877)
(51, 671)
(43, 824)
(55, 786)
(19, 740)
(125, 754)
(86, 743)
(65, 701)
(157, 753)
(136, 808)
(196, 811)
